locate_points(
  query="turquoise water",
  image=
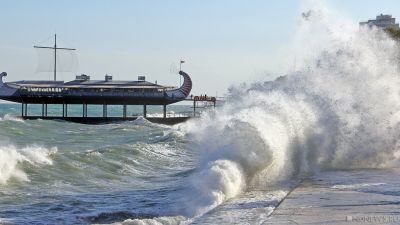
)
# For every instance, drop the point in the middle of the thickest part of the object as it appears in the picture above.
(55, 172)
(95, 110)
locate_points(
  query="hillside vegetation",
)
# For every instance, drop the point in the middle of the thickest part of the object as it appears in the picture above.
(393, 32)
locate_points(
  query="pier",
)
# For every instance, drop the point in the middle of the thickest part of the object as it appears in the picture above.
(105, 120)
(84, 91)
(198, 102)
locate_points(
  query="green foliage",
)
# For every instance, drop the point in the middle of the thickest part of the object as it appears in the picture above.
(393, 32)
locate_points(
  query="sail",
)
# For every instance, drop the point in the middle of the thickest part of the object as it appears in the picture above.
(67, 61)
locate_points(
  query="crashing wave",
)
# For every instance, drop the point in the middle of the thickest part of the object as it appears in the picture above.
(338, 110)
(13, 158)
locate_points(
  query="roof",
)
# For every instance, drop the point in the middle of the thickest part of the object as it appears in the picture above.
(88, 84)
(112, 82)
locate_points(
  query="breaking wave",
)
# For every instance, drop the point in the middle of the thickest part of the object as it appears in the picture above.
(340, 109)
(9, 117)
(13, 158)
(165, 220)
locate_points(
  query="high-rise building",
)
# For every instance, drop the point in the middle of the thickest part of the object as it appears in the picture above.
(382, 21)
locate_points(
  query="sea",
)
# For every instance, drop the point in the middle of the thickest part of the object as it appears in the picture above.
(336, 109)
(55, 172)
(136, 172)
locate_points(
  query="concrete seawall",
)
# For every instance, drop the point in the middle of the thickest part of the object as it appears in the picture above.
(350, 197)
(343, 197)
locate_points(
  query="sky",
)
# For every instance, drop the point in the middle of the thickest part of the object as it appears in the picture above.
(223, 42)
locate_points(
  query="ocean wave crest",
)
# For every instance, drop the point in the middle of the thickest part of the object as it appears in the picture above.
(13, 158)
(9, 117)
(338, 110)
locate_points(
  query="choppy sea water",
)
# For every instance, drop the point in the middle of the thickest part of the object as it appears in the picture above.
(59, 172)
(56, 172)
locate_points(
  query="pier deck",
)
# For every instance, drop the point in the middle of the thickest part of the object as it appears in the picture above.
(104, 120)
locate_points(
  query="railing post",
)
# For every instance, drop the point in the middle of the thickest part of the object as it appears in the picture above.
(165, 111)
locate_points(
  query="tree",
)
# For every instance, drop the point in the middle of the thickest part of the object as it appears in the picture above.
(393, 32)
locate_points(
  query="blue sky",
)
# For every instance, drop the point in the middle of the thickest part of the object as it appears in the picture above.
(224, 42)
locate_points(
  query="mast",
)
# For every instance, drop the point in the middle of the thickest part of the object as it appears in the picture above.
(55, 54)
(55, 57)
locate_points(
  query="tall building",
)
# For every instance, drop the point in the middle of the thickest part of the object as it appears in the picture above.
(382, 21)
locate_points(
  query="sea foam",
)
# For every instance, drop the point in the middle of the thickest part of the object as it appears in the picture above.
(9, 117)
(338, 109)
(13, 158)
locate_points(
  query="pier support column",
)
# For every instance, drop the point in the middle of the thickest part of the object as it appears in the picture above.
(45, 110)
(104, 110)
(84, 110)
(124, 111)
(144, 111)
(194, 108)
(22, 109)
(42, 109)
(165, 111)
(26, 110)
(63, 110)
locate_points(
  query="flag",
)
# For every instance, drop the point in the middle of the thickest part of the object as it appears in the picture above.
(182, 61)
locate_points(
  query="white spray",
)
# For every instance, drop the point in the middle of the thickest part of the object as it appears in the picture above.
(12, 158)
(339, 109)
